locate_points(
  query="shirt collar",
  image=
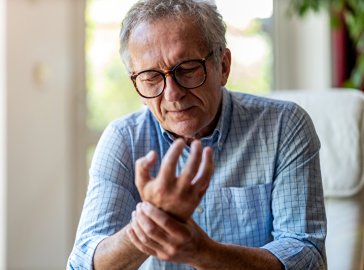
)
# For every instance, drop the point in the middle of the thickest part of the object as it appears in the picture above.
(223, 126)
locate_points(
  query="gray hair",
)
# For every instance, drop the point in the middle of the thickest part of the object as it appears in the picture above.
(203, 13)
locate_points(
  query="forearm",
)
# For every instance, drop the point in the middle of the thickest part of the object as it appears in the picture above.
(226, 256)
(117, 252)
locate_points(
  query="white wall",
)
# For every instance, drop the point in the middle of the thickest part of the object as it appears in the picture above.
(2, 138)
(39, 139)
(302, 50)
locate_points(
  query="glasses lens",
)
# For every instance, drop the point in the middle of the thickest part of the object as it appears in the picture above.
(190, 74)
(150, 83)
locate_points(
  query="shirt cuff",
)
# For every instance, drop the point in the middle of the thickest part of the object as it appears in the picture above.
(294, 254)
(82, 255)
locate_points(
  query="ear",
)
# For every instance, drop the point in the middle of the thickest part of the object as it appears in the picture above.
(225, 66)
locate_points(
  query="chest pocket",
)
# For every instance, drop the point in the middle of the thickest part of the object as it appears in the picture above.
(240, 215)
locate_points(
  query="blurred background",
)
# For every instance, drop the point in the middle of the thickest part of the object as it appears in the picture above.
(61, 82)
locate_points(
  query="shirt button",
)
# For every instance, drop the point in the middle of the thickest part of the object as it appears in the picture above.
(199, 210)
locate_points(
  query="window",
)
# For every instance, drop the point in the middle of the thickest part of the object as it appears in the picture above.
(110, 93)
(248, 37)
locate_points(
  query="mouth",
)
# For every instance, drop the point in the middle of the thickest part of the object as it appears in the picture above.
(180, 112)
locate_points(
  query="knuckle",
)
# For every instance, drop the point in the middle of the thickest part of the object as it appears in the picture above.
(172, 252)
(143, 239)
(149, 229)
(146, 250)
(163, 257)
(167, 222)
(159, 196)
(189, 174)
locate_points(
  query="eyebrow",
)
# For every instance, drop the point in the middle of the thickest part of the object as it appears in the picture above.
(172, 67)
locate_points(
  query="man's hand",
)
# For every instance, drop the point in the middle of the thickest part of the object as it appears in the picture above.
(177, 195)
(156, 233)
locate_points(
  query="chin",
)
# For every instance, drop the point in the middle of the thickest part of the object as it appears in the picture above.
(188, 132)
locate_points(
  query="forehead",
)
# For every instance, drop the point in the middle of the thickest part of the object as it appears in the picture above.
(165, 42)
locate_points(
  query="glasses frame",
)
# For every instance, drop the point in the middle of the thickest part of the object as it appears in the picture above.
(171, 73)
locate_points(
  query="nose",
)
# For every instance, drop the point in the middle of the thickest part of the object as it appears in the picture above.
(173, 92)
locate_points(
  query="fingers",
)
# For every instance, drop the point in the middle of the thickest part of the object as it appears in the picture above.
(198, 170)
(192, 164)
(140, 231)
(176, 195)
(142, 169)
(164, 221)
(139, 245)
(156, 233)
(169, 163)
(202, 179)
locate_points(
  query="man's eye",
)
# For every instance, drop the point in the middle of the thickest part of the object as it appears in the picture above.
(187, 71)
(150, 78)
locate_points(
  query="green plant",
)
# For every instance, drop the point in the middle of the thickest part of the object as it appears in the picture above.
(352, 14)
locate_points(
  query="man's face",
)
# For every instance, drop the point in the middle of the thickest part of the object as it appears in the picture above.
(187, 113)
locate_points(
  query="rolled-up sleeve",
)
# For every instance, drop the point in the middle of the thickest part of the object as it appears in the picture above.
(111, 198)
(299, 219)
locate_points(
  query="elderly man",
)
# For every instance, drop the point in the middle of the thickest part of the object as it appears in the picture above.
(202, 178)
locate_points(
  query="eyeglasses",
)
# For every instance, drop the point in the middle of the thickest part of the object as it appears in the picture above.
(189, 74)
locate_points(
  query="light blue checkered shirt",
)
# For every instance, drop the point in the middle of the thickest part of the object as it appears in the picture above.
(266, 190)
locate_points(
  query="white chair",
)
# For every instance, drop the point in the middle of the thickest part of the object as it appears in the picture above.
(338, 116)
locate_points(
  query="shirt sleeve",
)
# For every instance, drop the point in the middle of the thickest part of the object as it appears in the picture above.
(111, 197)
(299, 219)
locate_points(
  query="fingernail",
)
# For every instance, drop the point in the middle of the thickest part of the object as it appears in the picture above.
(145, 205)
(138, 206)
